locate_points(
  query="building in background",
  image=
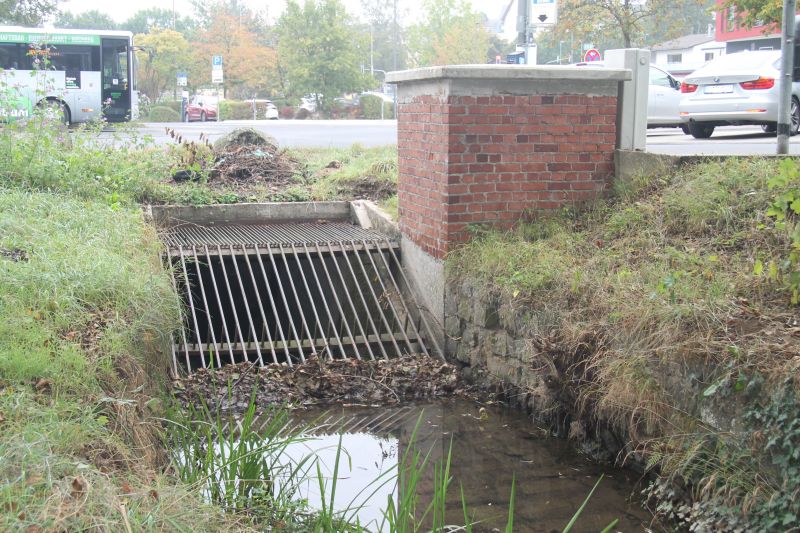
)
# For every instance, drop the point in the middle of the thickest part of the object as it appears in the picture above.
(685, 54)
(737, 38)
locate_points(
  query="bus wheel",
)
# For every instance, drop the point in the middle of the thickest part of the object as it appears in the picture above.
(56, 111)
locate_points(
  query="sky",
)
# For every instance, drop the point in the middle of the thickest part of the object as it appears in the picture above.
(120, 11)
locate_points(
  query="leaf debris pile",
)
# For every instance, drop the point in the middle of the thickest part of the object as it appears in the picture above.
(248, 162)
(316, 382)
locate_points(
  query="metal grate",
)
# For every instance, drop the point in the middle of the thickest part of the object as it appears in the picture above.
(283, 293)
(265, 234)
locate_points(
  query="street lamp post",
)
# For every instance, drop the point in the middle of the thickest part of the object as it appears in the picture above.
(559, 51)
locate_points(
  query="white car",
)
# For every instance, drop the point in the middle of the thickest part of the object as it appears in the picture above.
(271, 111)
(736, 89)
(663, 97)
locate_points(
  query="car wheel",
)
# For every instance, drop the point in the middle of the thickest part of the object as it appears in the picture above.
(769, 128)
(202, 116)
(685, 129)
(700, 131)
(794, 110)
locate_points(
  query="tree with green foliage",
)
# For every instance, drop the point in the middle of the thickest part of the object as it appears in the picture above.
(319, 51)
(751, 13)
(164, 53)
(627, 20)
(581, 22)
(88, 20)
(388, 50)
(451, 33)
(160, 18)
(27, 12)
(248, 64)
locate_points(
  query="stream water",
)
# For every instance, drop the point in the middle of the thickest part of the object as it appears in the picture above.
(490, 448)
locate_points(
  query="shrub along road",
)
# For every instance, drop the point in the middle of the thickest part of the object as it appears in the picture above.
(288, 133)
(728, 140)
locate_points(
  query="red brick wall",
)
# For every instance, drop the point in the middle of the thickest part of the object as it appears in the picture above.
(467, 160)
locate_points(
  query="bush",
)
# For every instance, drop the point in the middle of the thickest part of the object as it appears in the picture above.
(163, 114)
(371, 107)
(242, 110)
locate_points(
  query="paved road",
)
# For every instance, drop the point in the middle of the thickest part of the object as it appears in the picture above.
(289, 133)
(729, 140)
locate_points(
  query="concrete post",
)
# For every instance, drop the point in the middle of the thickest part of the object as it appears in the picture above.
(632, 110)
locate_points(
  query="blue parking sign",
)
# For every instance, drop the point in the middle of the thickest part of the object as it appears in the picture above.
(216, 61)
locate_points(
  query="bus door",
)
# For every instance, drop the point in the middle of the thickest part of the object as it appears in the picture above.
(116, 79)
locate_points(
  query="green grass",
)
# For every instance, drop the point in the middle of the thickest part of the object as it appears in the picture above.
(82, 344)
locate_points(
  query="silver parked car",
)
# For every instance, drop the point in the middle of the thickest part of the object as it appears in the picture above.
(736, 89)
(663, 97)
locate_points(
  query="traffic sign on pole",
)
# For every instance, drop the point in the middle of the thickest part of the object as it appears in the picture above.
(592, 55)
(216, 69)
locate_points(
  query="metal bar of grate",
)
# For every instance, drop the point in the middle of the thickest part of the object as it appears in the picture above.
(288, 309)
(219, 302)
(321, 290)
(420, 309)
(188, 287)
(409, 318)
(310, 299)
(233, 304)
(279, 326)
(364, 303)
(264, 328)
(388, 298)
(376, 300)
(205, 305)
(248, 313)
(350, 301)
(317, 343)
(303, 321)
(265, 234)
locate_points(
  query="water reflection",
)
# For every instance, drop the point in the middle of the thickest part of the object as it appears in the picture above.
(490, 448)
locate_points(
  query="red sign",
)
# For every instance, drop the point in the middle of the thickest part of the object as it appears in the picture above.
(592, 55)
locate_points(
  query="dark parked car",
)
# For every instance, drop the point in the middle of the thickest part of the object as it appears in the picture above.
(198, 109)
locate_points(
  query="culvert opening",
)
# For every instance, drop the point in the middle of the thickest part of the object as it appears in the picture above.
(284, 293)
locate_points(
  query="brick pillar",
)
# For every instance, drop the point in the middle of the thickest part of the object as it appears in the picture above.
(492, 144)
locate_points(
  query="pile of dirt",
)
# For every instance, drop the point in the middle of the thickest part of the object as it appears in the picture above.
(317, 382)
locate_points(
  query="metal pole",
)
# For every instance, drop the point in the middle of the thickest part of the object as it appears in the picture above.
(787, 61)
(394, 38)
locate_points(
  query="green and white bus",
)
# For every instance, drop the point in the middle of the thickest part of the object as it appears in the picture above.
(84, 74)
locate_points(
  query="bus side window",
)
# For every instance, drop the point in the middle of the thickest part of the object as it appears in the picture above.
(72, 60)
(9, 56)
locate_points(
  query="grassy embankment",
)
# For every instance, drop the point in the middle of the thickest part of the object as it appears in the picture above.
(87, 311)
(668, 315)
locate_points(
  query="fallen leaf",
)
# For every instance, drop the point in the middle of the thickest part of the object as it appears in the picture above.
(79, 487)
(43, 385)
